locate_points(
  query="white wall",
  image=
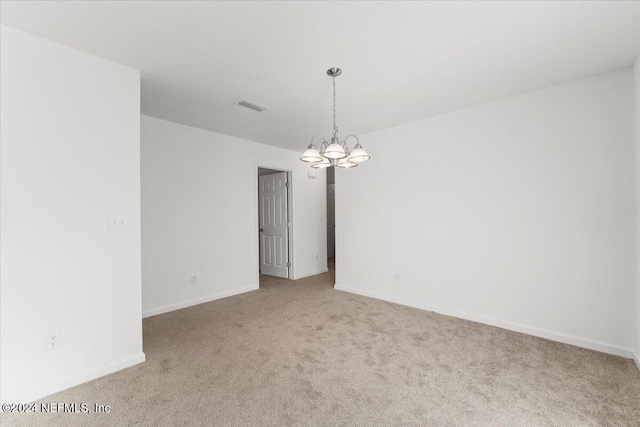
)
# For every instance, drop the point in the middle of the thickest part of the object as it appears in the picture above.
(517, 213)
(636, 76)
(70, 157)
(199, 214)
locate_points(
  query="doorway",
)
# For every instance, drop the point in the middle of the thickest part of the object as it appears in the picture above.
(331, 219)
(274, 223)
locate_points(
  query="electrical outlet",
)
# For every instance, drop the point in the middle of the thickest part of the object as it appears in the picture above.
(52, 340)
(397, 276)
(194, 279)
(118, 222)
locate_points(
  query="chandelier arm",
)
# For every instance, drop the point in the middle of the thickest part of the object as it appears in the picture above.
(323, 145)
(318, 136)
(357, 141)
(344, 145)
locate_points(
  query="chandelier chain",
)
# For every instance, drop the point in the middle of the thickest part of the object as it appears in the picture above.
(335, 126)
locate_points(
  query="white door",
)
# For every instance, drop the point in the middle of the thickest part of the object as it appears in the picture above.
(331, 220)
(274, 237)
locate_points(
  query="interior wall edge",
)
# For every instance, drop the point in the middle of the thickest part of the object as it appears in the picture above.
(636, 78)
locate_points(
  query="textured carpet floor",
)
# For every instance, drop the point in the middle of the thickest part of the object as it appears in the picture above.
(303, 354)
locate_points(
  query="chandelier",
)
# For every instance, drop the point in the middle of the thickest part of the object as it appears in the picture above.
(335, 153)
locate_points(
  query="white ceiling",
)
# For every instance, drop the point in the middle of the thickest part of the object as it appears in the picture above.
(401, 61)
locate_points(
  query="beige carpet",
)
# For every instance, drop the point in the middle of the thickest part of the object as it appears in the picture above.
(302, 354)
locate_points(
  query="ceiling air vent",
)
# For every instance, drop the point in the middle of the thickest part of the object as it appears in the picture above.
(252, 105)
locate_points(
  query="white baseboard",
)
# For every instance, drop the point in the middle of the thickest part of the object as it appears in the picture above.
(313, 273)
(80, 379)
(550, 335)
(636, 358)
(196, 301)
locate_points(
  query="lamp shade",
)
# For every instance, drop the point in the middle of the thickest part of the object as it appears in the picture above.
(335, 151)
(346, 163)
(325, 163)
(358, 156)
(311, 155)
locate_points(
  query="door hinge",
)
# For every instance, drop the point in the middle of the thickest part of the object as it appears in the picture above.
(286, 184)
(288, 224)
(288, 264)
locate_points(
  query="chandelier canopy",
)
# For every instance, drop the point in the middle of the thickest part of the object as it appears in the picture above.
(336, 152)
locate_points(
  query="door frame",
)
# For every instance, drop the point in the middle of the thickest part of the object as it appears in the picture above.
(290, 218)
(334, 220)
